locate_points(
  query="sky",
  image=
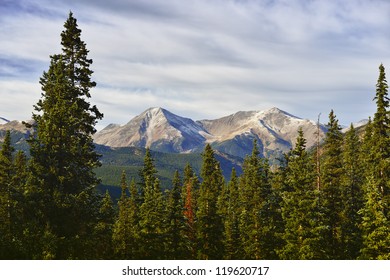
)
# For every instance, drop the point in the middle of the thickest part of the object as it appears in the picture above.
(203, 59)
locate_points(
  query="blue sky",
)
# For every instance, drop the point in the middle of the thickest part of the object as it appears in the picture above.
(204, 59)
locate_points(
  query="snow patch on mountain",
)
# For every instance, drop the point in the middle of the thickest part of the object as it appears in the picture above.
(159, 129)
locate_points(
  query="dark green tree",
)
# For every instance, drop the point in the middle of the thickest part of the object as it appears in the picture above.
(63, 158)
(147, 173)
(380, 149)
(256, 198)
(331, 188)
(375, 225)
(125, 231)
(352, 195)
(152, 225)
(189, 196)
(300, 206)
(102, 235)
(375, 213)
(209, 221)
(231, 212)
(6, 198)
(176, 223)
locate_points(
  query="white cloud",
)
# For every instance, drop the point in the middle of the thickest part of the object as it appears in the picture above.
(206, 59)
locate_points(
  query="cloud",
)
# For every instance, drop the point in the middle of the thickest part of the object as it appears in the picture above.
(206, 59)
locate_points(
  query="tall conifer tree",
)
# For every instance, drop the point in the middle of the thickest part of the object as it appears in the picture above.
(300, 206)
(62, 149)
(352, 194)
(331, 190)
(6, 199)
(376, 212)
(209, 221)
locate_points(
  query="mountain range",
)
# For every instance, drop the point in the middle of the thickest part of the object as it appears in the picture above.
(275, 131)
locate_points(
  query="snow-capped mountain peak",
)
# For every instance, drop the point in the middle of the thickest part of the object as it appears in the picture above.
(156, 128)
(159, 129)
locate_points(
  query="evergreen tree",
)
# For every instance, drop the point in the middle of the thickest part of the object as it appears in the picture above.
(231, 221)
(352, 195)
(176, 224)
(300, 206)
(189, 196)
(209, 221)
(6, 199)
(147, 174)
(380, 149)
(126, 228)
(331, 191)
(102, 236)
(62, 149)
(375, 213)
(257, 220)
(152, 225)
(375, 224)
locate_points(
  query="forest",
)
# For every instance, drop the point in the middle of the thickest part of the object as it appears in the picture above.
(331, 203)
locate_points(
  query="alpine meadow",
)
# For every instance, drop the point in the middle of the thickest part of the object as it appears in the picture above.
(326, 201)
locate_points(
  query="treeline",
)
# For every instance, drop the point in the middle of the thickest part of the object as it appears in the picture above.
(329, 204)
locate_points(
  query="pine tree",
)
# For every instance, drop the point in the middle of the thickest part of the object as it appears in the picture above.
(209, 221)
(152, 225)
(176, 224)
(300, 206)
(257, 220)
(380, 150)
(331, 191)
(102, 235)
(62, 149)
(352, 195)
(375, 224)
(231, 221)
(376, 212)
(189, 196)
(126, 228)
(6, 201)
(147, 173)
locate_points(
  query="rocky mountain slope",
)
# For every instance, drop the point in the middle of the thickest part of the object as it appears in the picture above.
(158, 129)
(161, 130)
(19, 133)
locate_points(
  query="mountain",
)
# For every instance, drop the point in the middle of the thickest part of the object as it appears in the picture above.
(156, 128)
(163, 131)
(274, 129)
(19, 133)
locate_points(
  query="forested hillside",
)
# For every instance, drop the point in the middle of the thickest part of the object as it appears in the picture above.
(332, 203)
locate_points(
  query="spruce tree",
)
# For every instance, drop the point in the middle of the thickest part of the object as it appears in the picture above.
(6, 199)
(380, 150)
(300, 206)
(126, 229)
(63, 158)
(152, 227)
(189, 196)
(176, 224)
(209, 221)
(147, 173)
(352, 195)
(331, 188)
(375, 225)
(257, 216)
(231, 222)
(102, 235)
(376, 212)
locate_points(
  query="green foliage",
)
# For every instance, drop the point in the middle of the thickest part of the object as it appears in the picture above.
(50, 209)
(300, 206)
(209, 221)
(330, 190)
